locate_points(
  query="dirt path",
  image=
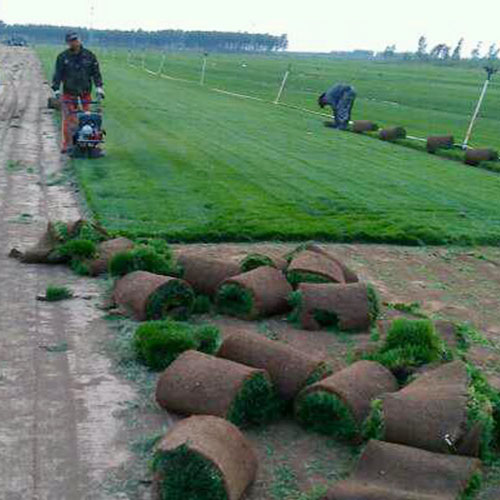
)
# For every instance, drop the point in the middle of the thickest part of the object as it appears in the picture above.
(58, 435)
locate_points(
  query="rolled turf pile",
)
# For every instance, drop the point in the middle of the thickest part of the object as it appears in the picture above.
(440, 142)
(437, 408)
(145, 295)
(392, 134)
(408, 345)
(350, 307)
(254, 260)
(290, 370)
(475, 156)
(314, 267)
(387, 471)
(338, 405)
(360, 126)
(105, 253)
(203, 457)
(196, 383)
(205, 274)
(256, 294)
(158, 343)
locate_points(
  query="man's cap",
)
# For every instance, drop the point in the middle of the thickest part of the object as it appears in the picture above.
(71, 36)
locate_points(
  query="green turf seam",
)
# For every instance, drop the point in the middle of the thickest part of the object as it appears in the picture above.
(374, 426)
(321, 371)
(295, 278)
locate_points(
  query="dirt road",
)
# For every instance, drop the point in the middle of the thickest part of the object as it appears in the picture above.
(58, 436)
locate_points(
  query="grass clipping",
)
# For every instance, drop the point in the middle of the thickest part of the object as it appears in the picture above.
(158, 343)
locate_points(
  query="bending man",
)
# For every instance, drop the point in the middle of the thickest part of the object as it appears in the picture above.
(76, 68)
(341, 98)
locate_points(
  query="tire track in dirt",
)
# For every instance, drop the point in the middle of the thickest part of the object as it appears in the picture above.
(58, 436)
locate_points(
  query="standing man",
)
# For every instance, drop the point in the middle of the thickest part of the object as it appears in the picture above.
(76, 68)
(341, 98)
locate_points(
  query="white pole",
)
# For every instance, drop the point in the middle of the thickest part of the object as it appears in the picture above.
(475, 115)
(162, 64)
(144, 59)
(203, 69)
(283, 83)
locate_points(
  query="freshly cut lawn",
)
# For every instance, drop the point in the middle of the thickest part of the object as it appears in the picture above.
(194, 165)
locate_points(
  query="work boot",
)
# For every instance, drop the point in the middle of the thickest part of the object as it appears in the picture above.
(97, 153)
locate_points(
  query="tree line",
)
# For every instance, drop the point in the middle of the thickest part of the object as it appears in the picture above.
(163, 39)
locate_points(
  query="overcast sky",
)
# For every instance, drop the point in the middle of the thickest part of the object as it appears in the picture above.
(312, 25)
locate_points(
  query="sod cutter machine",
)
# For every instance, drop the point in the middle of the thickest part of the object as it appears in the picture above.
(88, 135)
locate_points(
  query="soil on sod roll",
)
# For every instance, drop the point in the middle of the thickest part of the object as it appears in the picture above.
(146, 295)
(290, 370)
(196, 383)
(256, 294)
(339, 404)
(392, 134)
(349, 307)
(388, 471)
(205, 274)
(349, 275)
(203, 457)
(475, 156)
(440, 142)
(360, 126)
(105, 252)
(434, 407)
(314, 267)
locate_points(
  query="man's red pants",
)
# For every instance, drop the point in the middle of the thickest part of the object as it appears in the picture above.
(70, 106)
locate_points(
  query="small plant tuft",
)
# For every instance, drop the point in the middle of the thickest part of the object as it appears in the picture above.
(56, 293)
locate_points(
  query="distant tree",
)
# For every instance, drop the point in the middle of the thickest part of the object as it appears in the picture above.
(422, 47)
(493, 52)
(476, 51)
(389, 51)
(440, 51)
(457, 52)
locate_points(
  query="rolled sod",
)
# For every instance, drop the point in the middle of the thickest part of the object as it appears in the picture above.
(475, 156)
(290, 370)
(392, 134)
(434, 408)
(388, 471)
(203, 457)
(339, 404)
(314, 267)
(256, 294)
(147, 296)
(440, 142)
(349, 275)
(205, 274)
(196, 383)
(360, 126)
(106, 251)
(349, 307)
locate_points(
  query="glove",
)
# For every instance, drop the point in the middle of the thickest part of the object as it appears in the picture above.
(100, 92)
(57, 94)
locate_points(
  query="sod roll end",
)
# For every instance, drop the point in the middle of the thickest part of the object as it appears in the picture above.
(339, 404)
(203, 457)
(314, 267)
(392, 134)
(255, 294)
(106, 251)
(199, 384)
(360, 126)
(145, 295)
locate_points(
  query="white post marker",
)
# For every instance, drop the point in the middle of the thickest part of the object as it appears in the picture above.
(490, 72)
(204, 69)
(162, 64)
(283, 83)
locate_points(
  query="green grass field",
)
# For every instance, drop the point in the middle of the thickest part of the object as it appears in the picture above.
(192, 164)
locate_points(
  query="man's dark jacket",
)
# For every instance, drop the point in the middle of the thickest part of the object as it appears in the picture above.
(77, 71)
